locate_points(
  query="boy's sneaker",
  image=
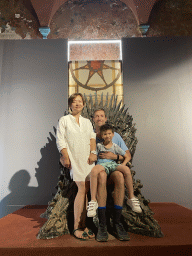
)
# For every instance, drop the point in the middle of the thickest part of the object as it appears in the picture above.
(134, 204)
(120, 232)
(102, 234)
(91, 208)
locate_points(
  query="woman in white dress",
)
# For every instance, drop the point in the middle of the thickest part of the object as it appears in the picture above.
(76, 142)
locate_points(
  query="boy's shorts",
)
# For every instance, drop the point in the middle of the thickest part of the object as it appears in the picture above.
(109, 167)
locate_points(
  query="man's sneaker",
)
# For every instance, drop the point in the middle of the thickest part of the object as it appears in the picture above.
(120, 232)
(102, 234)
(91, 208)
(134, 204)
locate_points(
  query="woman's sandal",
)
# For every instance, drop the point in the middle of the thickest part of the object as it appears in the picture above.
(90, 233)
(84, 234)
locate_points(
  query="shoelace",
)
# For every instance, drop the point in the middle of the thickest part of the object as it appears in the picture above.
(121, 226)
(103, 228)
(91, 205)
(135, 201)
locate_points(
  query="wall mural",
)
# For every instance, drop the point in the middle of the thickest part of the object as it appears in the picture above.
(96, 78)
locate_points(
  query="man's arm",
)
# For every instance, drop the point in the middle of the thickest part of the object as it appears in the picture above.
(112, 156)
(128, 155)
(127, 158)
(117, 139)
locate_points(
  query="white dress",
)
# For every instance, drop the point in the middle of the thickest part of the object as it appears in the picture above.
(76, 139)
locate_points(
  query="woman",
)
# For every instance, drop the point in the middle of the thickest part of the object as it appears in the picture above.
(76, 142)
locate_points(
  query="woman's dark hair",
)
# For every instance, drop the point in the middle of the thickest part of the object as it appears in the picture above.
(106, 127)
(73, 96)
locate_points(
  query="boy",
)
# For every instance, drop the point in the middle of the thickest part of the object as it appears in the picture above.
(110, 166)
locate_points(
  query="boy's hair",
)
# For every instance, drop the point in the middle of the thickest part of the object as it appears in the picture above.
(99, 109)
(106, 127)
(73, 96)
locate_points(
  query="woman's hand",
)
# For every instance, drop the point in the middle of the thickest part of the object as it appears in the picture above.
(92, 158)
(65, 162)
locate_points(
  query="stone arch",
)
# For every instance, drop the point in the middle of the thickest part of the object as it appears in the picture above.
(132, 6)
(94, 20)
(141, 9)
(45, 10)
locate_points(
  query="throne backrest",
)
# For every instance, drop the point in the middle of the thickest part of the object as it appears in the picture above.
(117, 116)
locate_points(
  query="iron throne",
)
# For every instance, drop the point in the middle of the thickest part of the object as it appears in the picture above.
(60, 209)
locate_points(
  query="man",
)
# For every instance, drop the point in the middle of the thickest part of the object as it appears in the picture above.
(117, 178)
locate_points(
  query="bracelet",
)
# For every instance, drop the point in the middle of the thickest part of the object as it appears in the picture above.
(117, 158)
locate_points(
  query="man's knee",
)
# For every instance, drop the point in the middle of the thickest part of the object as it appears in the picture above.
(118, 178)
